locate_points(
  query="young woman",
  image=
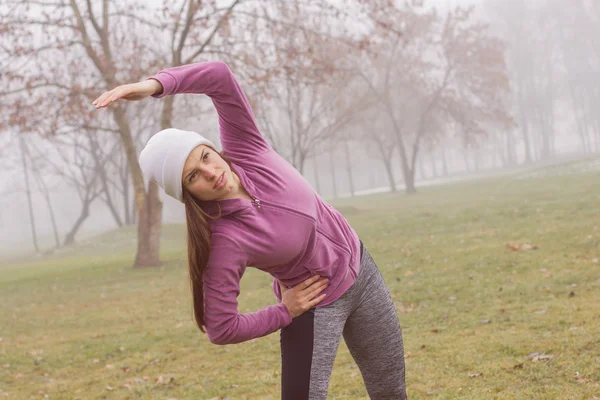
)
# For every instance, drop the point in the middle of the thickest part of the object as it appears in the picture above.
(249, 207)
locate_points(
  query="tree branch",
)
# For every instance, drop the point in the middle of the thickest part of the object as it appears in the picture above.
(212, 34)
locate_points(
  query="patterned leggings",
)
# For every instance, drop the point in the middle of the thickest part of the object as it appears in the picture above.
(365, 316)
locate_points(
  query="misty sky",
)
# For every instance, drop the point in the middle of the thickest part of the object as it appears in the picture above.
(15, 229)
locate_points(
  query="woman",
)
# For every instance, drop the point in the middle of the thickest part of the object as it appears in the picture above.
(249, 207)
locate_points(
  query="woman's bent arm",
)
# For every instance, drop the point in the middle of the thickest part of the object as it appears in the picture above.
(237, 125)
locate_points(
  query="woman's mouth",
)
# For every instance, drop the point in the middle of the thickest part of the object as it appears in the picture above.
(221, 181)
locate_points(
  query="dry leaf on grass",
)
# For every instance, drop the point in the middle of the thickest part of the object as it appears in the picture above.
(161, 380)
(537, 356)
(520, 247)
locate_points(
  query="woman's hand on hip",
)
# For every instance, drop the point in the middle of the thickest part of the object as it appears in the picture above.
(131, 91)
(304, 295)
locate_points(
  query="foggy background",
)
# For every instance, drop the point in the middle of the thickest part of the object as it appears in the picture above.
(338, 88)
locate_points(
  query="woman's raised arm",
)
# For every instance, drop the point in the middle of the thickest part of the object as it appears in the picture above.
(131, 91)
(240, 136)
(239, 133)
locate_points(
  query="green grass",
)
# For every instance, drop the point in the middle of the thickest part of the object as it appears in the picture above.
(85, 325)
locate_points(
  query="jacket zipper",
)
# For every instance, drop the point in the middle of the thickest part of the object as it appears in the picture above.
(256, 202)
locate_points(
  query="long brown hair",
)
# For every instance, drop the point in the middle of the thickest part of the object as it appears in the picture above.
(198, 245)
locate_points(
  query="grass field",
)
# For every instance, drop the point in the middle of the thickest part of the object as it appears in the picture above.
(496, 283)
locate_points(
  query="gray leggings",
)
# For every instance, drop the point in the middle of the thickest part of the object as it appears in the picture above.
(366, 317)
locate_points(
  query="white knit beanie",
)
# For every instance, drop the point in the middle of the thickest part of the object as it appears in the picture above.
(164, 156)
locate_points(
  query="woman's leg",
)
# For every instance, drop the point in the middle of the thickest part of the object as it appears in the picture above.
(373, 335)
(308, 348)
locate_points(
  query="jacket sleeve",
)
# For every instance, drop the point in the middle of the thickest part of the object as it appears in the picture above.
(239, 133)
(223, 322)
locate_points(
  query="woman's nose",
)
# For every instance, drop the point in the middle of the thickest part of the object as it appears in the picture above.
(208, 171)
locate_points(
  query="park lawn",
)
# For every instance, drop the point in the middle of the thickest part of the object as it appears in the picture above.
(84, 325)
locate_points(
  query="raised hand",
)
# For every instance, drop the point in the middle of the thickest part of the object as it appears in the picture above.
(131, 91)
(304, 295)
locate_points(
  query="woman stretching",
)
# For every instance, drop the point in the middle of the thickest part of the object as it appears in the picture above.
(248, 207)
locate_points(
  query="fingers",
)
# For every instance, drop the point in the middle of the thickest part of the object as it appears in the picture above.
(316, 301)
(102, 101)
(315, 289)
(304, 295)
(304, 285)
(108, 97)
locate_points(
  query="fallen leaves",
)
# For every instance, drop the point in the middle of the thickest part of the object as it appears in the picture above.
(520, 247)
(405, 307)
(96, 336)
(539, 357)
(546, 273)
(161, 380)
(580, 379)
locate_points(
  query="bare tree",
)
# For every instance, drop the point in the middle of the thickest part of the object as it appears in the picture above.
(28, 193)
(448, 67)
(78, 49)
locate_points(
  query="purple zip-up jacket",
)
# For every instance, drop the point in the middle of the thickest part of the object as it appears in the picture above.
(287, 230)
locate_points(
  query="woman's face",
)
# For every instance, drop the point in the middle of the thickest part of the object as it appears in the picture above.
(207, 176)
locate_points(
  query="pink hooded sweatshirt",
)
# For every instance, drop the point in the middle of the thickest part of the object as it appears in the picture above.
(288, 230)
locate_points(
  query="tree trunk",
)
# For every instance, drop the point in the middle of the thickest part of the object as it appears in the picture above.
(333, 176)
(149, 227)
(583, 134)
(433, 165)
(410, 183)
(148, 239)
(85, 212)
(28, 193)
(46, 194)
(524, 124)
(387, 162)
(349, 167)
(444, 162)
(386, 158)
(316, 168)
(466, 158)
(127, 200)
(421, 168)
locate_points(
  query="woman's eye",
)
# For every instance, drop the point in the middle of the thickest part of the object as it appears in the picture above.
(205, 157)
(192, 176)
